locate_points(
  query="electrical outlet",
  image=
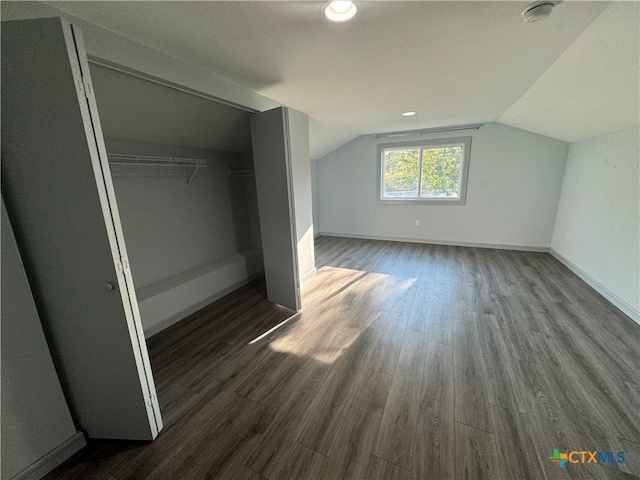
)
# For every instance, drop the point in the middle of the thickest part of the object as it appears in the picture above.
(417, 223)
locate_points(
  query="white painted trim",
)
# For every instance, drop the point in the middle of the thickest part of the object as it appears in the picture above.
(524, 248)
(51, 460)
(309, 275)
(182, 314)
(621, 304)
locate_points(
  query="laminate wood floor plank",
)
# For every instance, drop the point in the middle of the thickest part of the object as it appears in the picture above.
(357, 358)
(302, 463)
(320, 348)
(470, 374)
(268, 379)
(381, 469)
(420, 316)
(632, 457)
(441, 326)
(513, 329)
(166, 456)
(606, 400)
(475, 454)
(407, 361)
(552, 427)
(505, 387)
(412, 356)
(546, 440)
(402, 306)
(222, 371)
(275, 445)
(329, 410)
(433, 455)
(96, 460)
(349, 457)
(396, 437)
(571, 399)
(519, 455)
(345, 387)
(624, 360)
(380, 294)
(328, 282)
(243, 473)
(387, 349)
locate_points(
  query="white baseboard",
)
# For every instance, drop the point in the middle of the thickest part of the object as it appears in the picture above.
(175, 318)
(627, 309)
(51, 460)
(309, 275)
(498, 246)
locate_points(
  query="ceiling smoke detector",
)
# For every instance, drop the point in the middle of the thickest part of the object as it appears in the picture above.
(538, 10)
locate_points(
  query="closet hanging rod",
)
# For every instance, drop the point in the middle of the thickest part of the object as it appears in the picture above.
(151, 161)
(148, 160)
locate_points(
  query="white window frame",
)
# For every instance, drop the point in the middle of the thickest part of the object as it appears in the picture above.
(464, 171)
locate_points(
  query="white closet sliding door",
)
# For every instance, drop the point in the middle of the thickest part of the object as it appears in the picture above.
(59, 193)
(271, 143)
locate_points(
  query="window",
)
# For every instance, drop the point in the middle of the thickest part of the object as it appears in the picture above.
(432, 171)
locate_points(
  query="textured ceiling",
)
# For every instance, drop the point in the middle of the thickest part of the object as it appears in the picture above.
(452, 62)
(593, 88)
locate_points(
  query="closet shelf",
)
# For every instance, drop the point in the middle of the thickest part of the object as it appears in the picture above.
(241, 173)
(151, 161)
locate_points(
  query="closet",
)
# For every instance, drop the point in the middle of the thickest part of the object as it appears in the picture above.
(60, 196)
(191, 224)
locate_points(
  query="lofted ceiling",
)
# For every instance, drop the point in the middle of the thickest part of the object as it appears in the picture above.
(452, 62)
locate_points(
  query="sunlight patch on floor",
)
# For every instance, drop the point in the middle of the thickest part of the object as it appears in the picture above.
(332, 320)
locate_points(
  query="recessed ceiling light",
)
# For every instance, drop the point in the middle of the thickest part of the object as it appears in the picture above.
(340, 10)
(408, 114)
(538, 10)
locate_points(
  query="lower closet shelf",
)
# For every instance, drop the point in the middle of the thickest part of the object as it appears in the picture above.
(166, 302)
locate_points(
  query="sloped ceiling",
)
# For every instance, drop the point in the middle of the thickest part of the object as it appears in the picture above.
(593, 88)
(452, 62)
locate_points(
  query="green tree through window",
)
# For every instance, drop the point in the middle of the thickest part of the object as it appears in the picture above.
(441, 171)
(423, 172)
(401, 175)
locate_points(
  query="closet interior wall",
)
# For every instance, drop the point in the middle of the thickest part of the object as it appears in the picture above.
(188, 243)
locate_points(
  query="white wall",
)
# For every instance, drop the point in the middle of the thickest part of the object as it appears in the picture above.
(170, 227)
(37, 430)
(187, 245)
(303, 203)
(598, 226)
(514, 186)
(315, 195)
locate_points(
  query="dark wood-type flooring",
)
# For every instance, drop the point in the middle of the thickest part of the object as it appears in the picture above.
(408, 361)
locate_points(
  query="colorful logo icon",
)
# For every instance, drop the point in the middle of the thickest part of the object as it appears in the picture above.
(559, 458)
(585, 456)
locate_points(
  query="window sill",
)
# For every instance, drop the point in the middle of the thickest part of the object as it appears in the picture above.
(421, 201)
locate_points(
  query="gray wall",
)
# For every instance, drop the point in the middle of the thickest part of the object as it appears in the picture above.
(252, 200)
(512, 197)
(37, 429)
(599, 217)
(170, 227)
(301, 167)
(315, 192)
